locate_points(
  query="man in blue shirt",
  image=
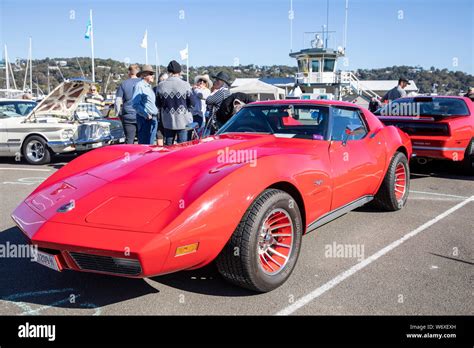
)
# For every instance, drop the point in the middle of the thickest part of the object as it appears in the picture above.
(144, 105)
(123, 104)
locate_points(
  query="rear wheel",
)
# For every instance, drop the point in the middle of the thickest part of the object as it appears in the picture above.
(264, 248)
(468, 161)
(393, 193)
(35, 150)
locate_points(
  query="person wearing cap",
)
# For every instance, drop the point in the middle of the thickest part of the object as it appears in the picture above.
(201, 91)
(144, 105)
(221, 91)
(397, 92)
(470, 94)
(123, 104)
(173, 97)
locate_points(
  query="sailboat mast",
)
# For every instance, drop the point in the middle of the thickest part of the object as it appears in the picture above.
(7, 74)
(31, 69)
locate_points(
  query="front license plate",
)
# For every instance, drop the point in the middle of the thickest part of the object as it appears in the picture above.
(48, 260)
(96, 145)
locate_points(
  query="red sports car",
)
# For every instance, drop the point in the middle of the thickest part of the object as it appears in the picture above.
(243, 197)
(440, 127)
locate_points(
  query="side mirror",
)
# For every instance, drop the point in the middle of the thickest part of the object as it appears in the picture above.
(352, 130)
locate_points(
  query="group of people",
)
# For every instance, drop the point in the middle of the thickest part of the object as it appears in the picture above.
(170, 106)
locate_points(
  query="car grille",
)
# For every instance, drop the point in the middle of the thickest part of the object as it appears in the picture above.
(414, 128)
(108, 264)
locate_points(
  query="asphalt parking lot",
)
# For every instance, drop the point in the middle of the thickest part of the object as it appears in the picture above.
(418, 261)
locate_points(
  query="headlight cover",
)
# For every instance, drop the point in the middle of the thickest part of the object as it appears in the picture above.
(67, 134)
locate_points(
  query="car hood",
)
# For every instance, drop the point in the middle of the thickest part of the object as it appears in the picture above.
(63, 100)
(170, 178)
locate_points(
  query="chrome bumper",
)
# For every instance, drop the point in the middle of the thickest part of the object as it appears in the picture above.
(83, 145)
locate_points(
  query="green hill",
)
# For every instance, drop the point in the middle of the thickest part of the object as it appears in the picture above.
(109, 74)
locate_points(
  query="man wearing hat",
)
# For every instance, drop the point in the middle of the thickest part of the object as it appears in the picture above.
(397, 92)
(221, 91)
(173, 97)
(124, 104)
(144, 104)
(201, 91)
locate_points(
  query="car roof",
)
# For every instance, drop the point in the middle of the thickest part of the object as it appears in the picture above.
(305, 102)
(433, 96)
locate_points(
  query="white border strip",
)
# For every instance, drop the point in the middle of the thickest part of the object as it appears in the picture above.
(438, 194)
(354, 269)
(30, 169)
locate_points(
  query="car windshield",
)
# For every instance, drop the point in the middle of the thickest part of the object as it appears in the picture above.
(426, 106)
(292, 121)
(88, 111)
(16, 108)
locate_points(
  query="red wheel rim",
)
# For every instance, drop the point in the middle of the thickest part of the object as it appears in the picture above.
(275, 241)
(400, 181)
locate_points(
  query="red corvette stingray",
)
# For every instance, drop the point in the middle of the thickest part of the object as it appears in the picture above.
(244, 197)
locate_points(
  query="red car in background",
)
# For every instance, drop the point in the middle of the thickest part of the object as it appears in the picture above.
(243, 197)
(440, 127)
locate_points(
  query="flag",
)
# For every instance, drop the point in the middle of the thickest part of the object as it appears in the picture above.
(144, 43)
(87, 35)
(184, 53)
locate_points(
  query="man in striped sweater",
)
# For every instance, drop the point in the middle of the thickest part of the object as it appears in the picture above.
(173, 98)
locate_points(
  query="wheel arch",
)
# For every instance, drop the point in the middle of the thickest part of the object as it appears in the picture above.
(293, 191)
(29, 135)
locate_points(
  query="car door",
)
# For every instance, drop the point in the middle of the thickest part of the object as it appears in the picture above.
(357, 161)
(4, 150)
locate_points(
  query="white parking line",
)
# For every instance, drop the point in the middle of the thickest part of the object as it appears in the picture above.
(438, 194)
(354, 269)
(29, 169)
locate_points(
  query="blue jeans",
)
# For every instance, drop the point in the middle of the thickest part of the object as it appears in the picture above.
(146, 130)
(170, 135)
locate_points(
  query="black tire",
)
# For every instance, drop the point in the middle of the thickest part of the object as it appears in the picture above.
(35, 150)
(240, 262)
(386, 198)
(468, 161)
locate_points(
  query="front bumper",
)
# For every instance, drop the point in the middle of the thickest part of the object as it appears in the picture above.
(92, 249)
(83, 145)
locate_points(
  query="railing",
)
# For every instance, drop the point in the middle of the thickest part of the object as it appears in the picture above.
(316, 77)
(357, 85)
(340, 77)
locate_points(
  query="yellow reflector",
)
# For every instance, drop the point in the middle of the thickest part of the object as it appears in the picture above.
(186, 249)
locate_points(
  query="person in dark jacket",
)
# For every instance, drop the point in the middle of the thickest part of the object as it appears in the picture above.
(470, 94)
(398, 91)
(229, 105)
(124, 104)
(374, 104)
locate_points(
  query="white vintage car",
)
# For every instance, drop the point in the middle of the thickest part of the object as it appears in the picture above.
(60, 123)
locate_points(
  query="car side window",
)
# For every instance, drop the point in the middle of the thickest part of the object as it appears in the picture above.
(343, 117)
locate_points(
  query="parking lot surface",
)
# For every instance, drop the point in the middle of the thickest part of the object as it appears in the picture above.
(418, 261)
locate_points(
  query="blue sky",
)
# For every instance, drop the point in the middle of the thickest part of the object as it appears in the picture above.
(380, 32)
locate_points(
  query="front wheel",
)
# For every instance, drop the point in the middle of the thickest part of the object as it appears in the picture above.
(264, 248)
(393, 193)
(35, 150)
